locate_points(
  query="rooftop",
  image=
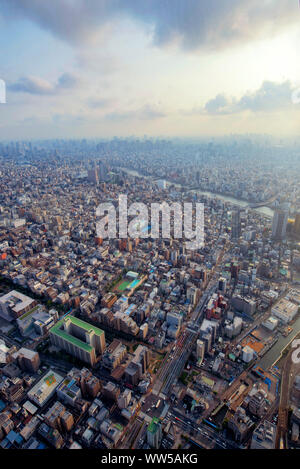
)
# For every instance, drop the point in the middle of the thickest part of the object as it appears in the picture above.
(153, 425)
(57, 330)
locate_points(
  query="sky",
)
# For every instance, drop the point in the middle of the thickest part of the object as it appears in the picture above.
(104, 68)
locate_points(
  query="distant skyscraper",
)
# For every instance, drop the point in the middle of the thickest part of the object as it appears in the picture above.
(93, 175)
(102, 172)
(235, 224)
(297, 225)
(279, 225)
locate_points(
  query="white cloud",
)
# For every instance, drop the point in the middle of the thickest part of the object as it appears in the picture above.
(38, 86)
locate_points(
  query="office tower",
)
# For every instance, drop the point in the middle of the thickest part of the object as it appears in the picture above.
(297, 225)
(200, 351)
(279, 225)
(102, 172)
(235, 224)
(93, 175)
(154, 433)
(79, 338)
(222, 284)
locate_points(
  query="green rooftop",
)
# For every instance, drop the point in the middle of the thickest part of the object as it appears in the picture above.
(153, 425)
(84, 325)
(60, 332)
(31, 311)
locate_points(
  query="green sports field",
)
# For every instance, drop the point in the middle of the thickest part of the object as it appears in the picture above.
(123, 285)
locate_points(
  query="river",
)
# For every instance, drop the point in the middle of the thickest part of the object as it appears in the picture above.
(274, 354)
(266, 211)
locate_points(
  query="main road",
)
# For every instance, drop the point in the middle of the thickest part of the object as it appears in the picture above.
(173, 364)
(288, 373)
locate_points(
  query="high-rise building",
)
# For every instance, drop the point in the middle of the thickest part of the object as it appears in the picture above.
(93, 175)
(235, 224)
(102, 172)
(222, 284)
(297, 225)
(279, 225)
(79, 338)
(200, 351)
(154, 433)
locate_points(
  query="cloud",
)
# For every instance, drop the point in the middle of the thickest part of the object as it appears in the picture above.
(217, 104)
(144, 113)
(195, 24)
(270, 97)
(67, 80)
(32, 85)
(38, 86)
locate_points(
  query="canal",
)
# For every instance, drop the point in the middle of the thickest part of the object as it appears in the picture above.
(274, 354)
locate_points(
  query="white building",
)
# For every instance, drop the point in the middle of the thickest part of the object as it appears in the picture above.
(248, 354)
(271, 323)
(45, 388)
(285, 310)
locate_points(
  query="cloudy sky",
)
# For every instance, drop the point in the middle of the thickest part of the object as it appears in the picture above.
(99, 68)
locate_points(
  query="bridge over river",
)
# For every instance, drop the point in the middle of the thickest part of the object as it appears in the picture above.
(265, 203)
